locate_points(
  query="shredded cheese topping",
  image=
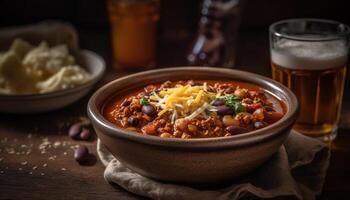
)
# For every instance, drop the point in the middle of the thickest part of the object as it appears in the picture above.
(183, 100)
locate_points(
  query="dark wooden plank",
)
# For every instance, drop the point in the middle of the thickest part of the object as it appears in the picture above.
(37, 160)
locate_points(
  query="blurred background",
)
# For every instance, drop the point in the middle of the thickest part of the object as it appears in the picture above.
(177, 27)
(178, 24)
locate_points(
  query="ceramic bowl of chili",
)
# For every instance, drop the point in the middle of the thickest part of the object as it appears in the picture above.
(186, 155)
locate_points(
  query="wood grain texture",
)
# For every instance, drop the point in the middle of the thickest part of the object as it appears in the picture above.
(53, 174)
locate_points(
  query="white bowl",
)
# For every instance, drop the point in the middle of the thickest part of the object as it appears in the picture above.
(36, 103)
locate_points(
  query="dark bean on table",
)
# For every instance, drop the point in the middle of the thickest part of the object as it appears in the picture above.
(133, 121)
(236, 129)
(81, 154)
(149, 110)
(218, 102)
(74, 131)
(224, 110)
(85, 134)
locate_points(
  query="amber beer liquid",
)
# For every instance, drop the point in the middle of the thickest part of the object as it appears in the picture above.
(133, 29)
(315, 72)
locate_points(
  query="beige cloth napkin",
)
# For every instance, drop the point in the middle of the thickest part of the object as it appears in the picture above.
(296, 171)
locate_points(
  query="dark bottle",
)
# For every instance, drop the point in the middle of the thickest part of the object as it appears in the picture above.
(215, 43)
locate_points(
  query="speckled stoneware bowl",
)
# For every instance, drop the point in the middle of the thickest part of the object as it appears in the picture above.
(205, 160)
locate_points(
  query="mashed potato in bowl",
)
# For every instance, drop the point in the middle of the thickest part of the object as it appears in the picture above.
(27, 69)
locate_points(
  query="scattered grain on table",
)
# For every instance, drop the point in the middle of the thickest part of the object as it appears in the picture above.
(37, 143)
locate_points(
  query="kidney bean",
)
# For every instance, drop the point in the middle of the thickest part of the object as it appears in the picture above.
(224, 110)
(218, 102)
(236, 129)
(85, 134)
(81, 154)
(133, 121)
(271, 117)
(74, 131)
(149, 110)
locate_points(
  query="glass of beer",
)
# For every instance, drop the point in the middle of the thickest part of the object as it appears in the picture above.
(133, 29)
(309, 56)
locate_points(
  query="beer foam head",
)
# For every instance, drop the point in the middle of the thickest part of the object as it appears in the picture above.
(316, 55)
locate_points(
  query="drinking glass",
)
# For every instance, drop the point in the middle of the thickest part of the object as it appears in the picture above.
(309, 56)
(133, 29)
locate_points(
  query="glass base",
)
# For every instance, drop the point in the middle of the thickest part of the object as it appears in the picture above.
(330, 137)
(325, 133)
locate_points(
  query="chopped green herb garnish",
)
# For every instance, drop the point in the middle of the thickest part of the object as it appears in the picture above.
(234, 102)
(144, 101)
(239, 108)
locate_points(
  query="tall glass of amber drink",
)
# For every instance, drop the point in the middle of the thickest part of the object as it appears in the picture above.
(309, 56)
(133, 28)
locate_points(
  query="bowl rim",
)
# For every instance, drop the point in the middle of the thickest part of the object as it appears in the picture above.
(251, 137)
(95, 78)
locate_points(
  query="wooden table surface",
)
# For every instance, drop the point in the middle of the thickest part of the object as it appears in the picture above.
(36, 155)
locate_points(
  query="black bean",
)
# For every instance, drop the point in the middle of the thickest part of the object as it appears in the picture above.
(236, 129)
(133, 121)
(81, 154)
(224, 110)
(218, 102)
(149, 110)
(85, 134)
(74, 131)
(258, 125)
